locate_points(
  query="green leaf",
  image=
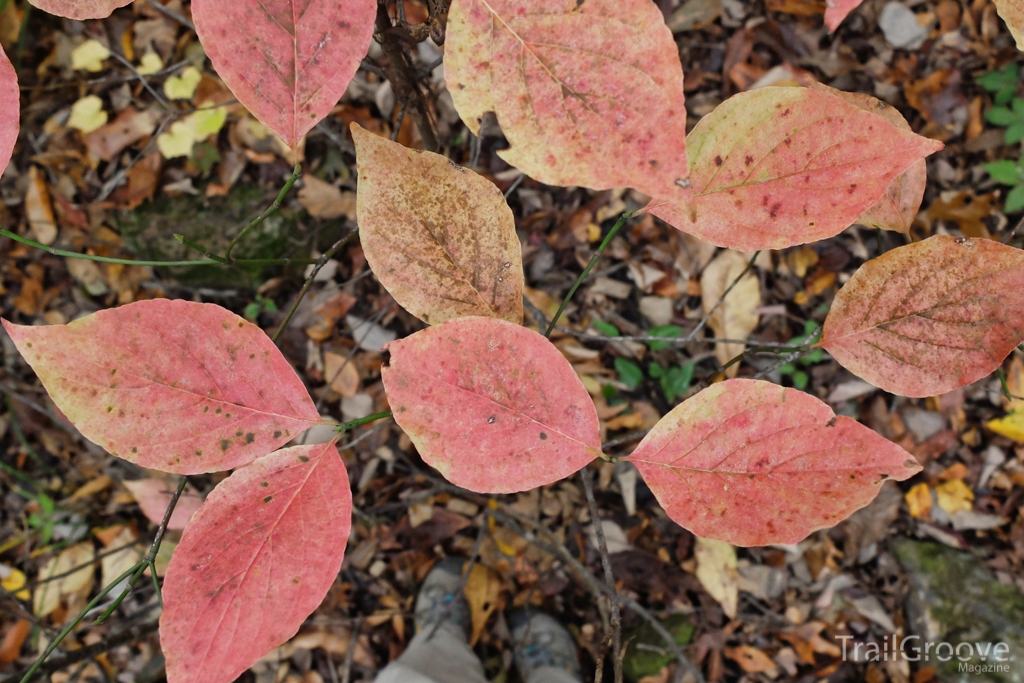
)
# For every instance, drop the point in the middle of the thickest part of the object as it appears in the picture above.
(1018, 107)
(677, 381)
(1006, 172)
(1015, 200)
(999, 80)
(630, 373)
(1005, 95)
(813, 357)
(655, 370)
(787, 369)
(608, 391)
(800, 380)
(252, 310)
(46, 503)
(607, 329)
(810, 327)
(1014, 133)
(1000, 116)
(664, 331)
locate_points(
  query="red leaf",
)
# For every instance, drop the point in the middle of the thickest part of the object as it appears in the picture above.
(173, 385)
(9, 110)
(80, 9)
(287, 61)
(493, 406)
(780, 166)
(255, 561)
(587, 93)
(929, 317)
(753, 463)
(154, 495)
(837, 10)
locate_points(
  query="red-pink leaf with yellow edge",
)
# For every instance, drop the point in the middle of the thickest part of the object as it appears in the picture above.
(753, 463)
(931, 316)
(9, 110)
(493, 406)
(172, 385)
(780, 166)
(256, 560)
(287, 61)
(837, 10)
(80, 9)
(587, 93)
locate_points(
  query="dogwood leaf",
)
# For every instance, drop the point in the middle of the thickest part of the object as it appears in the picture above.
(172, 385)
(780, 166)
(255, 560)
(931, 316)
(897, 208)
(10, 112)
(439, 237)
(493, 406)
(837, 10)
(587, 93)
(753, 463)
(80, 9)
(287, 61)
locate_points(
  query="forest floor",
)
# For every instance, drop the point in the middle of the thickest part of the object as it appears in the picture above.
(74, 516)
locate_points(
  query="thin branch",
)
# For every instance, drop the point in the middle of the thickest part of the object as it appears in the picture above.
(721, 299)
(609, 578)
(586, 271)
(320, 263)
(270, 210)
(172, 14)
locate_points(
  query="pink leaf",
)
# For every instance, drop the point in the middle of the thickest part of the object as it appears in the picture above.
(154, 495)
(753, 463)
(172, 385)
(254, 562)
(9, 110)
(587, 93)
(837, 10)
(780, 166)
(287, 61)
(80, 9)
(929, 317)
(493, 406)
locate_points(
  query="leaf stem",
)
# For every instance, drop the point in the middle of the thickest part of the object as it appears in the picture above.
(352, 424)
(586, 271)
(270, 210)
(194, 246)
(320, 263)
(134, 262)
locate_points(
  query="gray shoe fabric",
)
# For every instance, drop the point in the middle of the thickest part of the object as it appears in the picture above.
(541, 641)
(440, 599)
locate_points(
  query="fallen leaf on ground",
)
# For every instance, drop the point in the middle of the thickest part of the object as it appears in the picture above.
(736, 317)
(154, 495)
(716, 571)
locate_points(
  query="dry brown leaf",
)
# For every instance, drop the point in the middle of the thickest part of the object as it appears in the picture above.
(750, 659)
(716, 571)
(38, 208)
(341, 374)
(323, 200)
(483, 593)
(13, 639)
(46, 597)
(129, 127)
(736, 317)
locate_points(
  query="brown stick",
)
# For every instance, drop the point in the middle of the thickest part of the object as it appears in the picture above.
(402, 75)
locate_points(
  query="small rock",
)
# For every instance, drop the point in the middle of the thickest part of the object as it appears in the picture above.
(900, 26)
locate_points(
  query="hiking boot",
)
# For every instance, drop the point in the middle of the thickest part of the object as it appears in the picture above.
(539, 641)
(440, 600)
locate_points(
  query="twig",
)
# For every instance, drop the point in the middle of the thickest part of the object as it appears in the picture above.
(128, 635)
(172, 14)
(609, 578)
(133, 262)
(352, 424)
(353, 639)
(320, 263)
(586, 271)
(403, 77)
(296, 173)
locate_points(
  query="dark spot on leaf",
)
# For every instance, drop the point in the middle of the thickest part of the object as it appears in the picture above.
(831, 423)
(110, 409)
(28, 344)
(852, 188)
(113, 372)
(238, 433)
(303, 458)
(218, 411)
(134, 449)
(206, 409)
(543, 436)
(199, 453)
(774, 211)
(718, 161)
(250, 437)
(748, 160)
(251, 356)
(277, 434)
(224, 443)
(268, 499)
(264, 484)
(492, 419)
(296, 581)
